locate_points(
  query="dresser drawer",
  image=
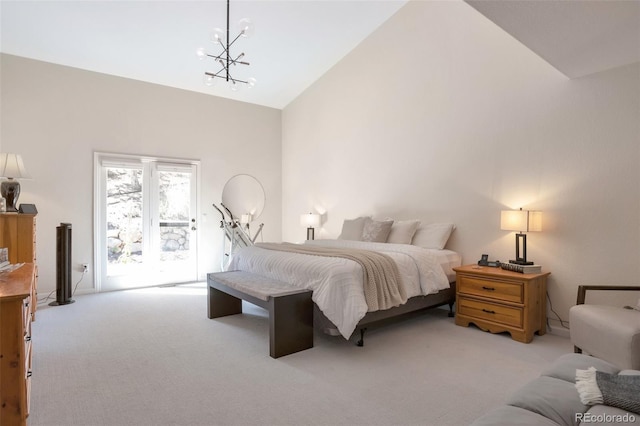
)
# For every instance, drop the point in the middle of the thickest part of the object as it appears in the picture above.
(490, 311)
(28, 394)
(26, 312)
(494, 289)
(27, 357)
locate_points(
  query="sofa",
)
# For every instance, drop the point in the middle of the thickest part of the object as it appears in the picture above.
(553, 399)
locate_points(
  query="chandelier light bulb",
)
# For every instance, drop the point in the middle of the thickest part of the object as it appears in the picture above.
(217, 36)
(245, 27)
(201, 53)
(209, 80)
(251, 82)
(233, 86)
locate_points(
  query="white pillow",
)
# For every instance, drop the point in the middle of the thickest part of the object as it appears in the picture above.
(376, 230)
(352, 228)
(402, 231)
(433, 235)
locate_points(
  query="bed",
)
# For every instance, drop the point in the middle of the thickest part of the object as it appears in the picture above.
(337, 283)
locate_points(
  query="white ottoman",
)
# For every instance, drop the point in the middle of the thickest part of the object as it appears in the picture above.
(607, 332)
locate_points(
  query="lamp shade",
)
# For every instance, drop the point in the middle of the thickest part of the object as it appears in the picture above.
(513, 220)
(310, 220)
(521, 220)
(11, 166)
(535, 221)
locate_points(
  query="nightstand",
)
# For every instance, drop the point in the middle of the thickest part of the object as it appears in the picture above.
(502, 301)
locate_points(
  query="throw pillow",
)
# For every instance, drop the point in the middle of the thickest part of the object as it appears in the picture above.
(352, 228)
(402, 231)
(614, 390)
(433, 235)
(376, 231)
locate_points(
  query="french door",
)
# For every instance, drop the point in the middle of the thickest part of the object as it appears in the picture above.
(146, 231)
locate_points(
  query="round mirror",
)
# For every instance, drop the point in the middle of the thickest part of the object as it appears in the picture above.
(244, 195)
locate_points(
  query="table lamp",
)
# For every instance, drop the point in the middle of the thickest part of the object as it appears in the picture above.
(311, 221)
(521, 221)
(12, 168)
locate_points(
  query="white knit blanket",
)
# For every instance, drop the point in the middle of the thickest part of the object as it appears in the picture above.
(382, 284)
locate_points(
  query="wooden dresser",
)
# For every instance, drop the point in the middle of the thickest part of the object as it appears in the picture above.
(18, 234)
(497, 301)
(16, 304)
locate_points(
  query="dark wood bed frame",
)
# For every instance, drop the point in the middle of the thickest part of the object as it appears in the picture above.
(376, 318)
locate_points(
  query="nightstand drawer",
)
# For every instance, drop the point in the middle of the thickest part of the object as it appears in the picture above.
(494, 289)
(489, 311)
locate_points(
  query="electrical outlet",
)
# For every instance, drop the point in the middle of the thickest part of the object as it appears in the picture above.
(85, 267)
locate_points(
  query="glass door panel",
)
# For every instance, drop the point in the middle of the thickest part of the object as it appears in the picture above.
(146, 216)
(124, 222)
(176, 222)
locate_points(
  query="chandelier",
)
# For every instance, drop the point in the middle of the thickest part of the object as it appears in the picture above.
(225, 59)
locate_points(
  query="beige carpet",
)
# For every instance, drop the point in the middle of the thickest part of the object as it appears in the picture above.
(152, 357)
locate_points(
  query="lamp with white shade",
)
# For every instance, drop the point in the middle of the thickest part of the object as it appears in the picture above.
(12, 168)
(521, 221)
(311, 221)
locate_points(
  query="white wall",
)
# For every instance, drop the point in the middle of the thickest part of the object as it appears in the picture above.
(442, 116)
(57, 117)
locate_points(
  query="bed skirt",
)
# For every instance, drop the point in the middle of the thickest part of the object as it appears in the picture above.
(414, 304)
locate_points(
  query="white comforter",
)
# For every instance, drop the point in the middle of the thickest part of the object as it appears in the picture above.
(337, 283)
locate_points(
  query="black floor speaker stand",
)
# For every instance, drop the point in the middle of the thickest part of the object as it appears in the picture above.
(63, 265)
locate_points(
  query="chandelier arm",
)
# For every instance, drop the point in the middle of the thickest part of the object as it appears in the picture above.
(224, 50)
(235, 80)
(234, 40)
(217, 58)
(216, 75)
(236, 61)
(210, 74)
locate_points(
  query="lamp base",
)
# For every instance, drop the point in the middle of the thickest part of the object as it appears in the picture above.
(310, 234)
(10, 190)
(56, 303)
(521, 262)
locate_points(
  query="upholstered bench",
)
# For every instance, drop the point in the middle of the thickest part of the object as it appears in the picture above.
(290, 308)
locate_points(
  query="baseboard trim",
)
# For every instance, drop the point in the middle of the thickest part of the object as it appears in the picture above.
(558, 331)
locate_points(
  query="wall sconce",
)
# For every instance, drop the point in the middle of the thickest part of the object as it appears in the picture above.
(311, 221)
(12, 168)
(521, 221)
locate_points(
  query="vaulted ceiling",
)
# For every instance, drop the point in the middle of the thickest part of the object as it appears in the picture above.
(295, 41)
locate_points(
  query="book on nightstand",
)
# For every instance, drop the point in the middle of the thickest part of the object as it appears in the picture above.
(523, 269)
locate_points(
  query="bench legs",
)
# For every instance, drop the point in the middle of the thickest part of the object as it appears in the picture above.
(290, 324)
(222, 304)
(290, 318)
